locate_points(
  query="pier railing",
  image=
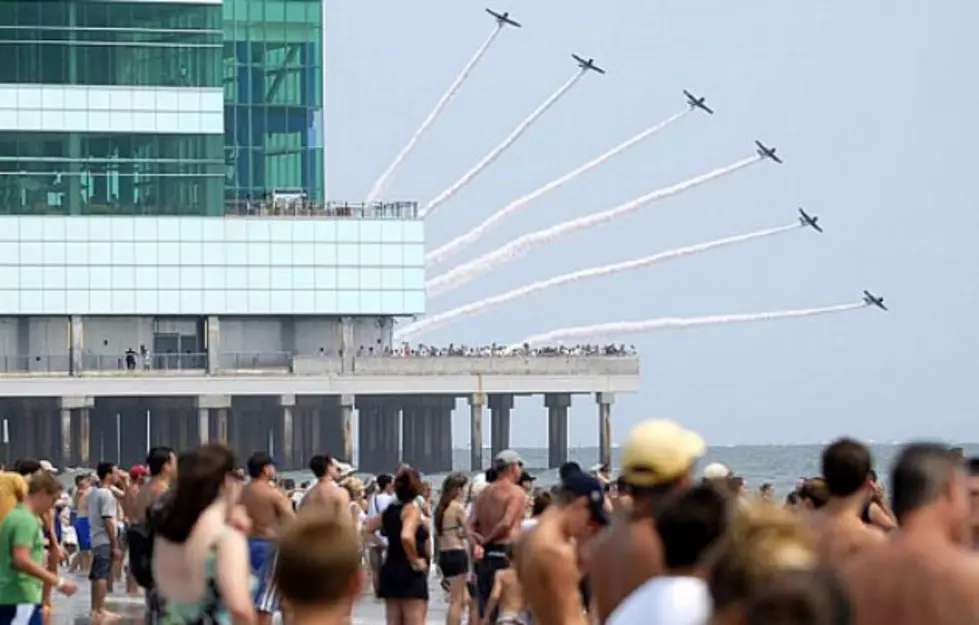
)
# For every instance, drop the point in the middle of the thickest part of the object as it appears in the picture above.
(287, 363)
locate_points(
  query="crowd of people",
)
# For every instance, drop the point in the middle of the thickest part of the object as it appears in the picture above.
(208, 543)
(495, 350)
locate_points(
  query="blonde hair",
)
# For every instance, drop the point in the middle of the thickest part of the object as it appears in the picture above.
(354, 486)
(763, 541)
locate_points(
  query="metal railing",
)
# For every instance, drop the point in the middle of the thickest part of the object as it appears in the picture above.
(145, 364)
(318, 208)
(255, 360)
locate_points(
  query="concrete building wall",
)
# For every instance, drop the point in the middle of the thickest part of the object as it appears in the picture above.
(316, 336)
(242, 335)
(108, 337)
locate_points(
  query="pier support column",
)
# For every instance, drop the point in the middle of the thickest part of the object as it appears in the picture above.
(212, 418)
(347, 404)
(284, 432)
(500, 407)
(380, 433)
(75, 345)
(605, 401)
(413, 431)
(476, 403)
(438, 433)
(557, 428)
(75, 423)
(213, 344)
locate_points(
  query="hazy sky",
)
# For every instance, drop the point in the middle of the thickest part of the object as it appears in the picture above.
(871, 104)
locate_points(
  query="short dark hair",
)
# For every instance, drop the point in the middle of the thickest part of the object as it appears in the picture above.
(920, 475)
(691, 524)
(846, 465)
(158, 458)
(766, 486)
(491, 474)
(320, 464)
(27, 466)
(567, 469)
(407, 485)
(814, 489)
(45, 483)
(317, 557)
(542, 501)
(104, 469)
(383, 481)
(972, 465)
(257, 463)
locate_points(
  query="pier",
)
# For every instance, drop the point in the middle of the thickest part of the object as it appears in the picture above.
(403, 406)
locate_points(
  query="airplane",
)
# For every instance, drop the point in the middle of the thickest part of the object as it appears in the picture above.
(588, 65)
(873, 300)
(766, 152)
(809, 220)
(697, 103)
(503, 19)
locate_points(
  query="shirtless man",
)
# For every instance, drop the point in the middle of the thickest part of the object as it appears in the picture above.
(326, 494)
(547, 555)
(924, 574)
(268, 508)
(495, 521)
(507, 597)
(83, 559)
(838, 530)
(656, 464)
(130, 504)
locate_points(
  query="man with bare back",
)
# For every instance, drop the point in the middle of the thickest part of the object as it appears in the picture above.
(495, 521)
(924, 574)
(656, 467)
(268, 508)
(326, 494)
(837, 527)
(547, 555)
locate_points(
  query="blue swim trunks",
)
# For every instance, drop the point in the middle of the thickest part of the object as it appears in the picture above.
(84, 531)
(261, 555)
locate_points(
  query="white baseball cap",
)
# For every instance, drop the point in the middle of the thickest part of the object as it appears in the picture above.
(716, 471)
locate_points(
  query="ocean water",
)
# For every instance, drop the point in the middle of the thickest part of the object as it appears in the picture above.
(781, 465)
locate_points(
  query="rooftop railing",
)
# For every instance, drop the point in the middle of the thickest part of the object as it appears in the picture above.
(287, 362)
(314, 208)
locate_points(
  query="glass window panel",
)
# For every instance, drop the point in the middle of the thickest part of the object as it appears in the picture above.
(146, 278)
(100, 278)
(168, 277)
(191, 302)
(53, 278)
(146, 302)
(191, 277)
(236, 277)
(303, 302)
(370, 278)
(213, 302)
(348, 254)
(414, 254)
(76, 277)
(347, 302)
(370, 302)
(9, 278)
(370, 254)
(392, 255)
(123, 277)
(392, 302)
(281, 254)
(327, 277)
(281, 279)
(304, 253)
(259, 278)
(32, 253)
(348, 278)
(123, 302)
(414, 302)
(329, 302)
(112, 174)
(55, 302)
(259, 302)
(213, 278)
(304, 278)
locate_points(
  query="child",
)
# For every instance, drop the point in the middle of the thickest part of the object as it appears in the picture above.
(507, 597)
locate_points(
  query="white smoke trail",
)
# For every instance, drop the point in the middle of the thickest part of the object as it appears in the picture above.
(673, 323)
(494, 301)
(467, 272)
(439, 254)
(500, 149)
(381, 184)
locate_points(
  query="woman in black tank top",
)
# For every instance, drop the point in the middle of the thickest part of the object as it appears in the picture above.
(404, 572)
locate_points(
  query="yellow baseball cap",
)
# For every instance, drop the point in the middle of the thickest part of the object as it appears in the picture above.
(658, 452)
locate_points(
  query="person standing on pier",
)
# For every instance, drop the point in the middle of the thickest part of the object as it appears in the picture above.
(269, 509)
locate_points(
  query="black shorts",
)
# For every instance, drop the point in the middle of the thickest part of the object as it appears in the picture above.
(585, 589)
(101, 563)
(453, 562)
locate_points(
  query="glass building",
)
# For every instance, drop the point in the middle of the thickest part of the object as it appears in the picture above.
(110, 107)
(273, 94)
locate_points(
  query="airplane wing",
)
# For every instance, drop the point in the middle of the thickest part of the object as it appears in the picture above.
(707, 108)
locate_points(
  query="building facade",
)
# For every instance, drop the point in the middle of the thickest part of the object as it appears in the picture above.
(161, 177)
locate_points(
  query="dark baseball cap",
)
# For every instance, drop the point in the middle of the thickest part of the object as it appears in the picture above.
(580, 484)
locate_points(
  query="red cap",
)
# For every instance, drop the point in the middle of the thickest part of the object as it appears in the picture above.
(138, 472)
